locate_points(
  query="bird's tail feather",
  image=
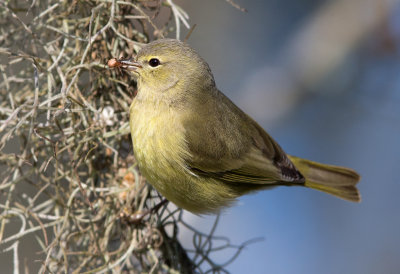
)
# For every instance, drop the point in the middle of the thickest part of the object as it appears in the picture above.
(335, 180)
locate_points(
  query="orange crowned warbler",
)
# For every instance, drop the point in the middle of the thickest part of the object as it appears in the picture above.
(197, 148)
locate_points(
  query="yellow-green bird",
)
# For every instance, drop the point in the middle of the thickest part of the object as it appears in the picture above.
(201, 151)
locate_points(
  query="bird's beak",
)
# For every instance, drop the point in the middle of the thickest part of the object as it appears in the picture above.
(130, 65)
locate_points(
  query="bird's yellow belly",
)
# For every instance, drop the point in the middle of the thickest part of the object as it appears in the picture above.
(160, 150)
(159, 144)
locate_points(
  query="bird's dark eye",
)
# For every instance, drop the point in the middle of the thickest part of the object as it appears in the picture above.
(154, 62)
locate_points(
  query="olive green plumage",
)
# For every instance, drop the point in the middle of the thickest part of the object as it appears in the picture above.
(198, 148)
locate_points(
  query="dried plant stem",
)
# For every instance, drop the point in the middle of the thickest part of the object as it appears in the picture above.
(68, 174)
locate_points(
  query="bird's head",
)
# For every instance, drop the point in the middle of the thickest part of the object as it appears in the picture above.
(169, 65)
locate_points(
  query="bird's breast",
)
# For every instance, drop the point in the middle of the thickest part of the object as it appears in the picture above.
(158, 141)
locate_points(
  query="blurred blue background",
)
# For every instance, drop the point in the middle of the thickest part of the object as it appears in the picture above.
(322, 77)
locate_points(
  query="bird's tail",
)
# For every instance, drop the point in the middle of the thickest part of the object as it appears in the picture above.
(338, 181)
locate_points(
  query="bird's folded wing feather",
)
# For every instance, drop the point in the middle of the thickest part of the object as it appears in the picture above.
(232, 147)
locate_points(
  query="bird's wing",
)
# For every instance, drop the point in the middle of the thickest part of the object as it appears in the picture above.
(232, 147)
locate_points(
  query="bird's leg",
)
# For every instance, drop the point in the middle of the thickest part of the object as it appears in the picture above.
(138, 216)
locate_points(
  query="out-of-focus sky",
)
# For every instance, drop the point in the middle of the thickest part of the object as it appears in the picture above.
(322, 77)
